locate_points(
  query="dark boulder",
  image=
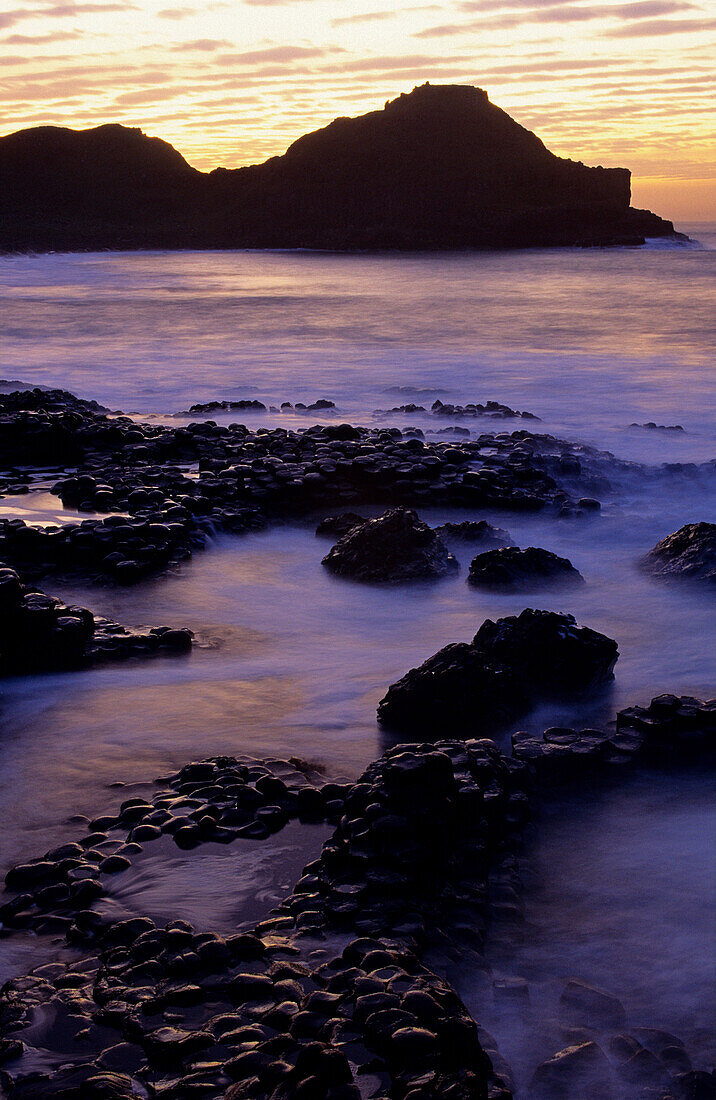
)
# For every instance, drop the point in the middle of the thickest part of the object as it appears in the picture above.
(338, 526)
(508, 667)
(512, 569)
(396, 546)
(581, 1071)
(689, 553)
(476, 531)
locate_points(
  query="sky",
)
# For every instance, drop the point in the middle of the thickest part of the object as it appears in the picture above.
(232, 83)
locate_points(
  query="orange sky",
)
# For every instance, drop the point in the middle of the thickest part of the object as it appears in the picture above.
(232, 83)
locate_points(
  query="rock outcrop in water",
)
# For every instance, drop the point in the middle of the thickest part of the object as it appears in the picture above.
(689, 554)
(40, 633)
(510, 569)
(395, 547)
(508, 667)
(441, 167)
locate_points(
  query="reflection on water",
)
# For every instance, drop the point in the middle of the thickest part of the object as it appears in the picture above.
(620, 892)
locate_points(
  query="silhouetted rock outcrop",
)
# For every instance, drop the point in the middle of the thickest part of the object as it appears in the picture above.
(441, 167)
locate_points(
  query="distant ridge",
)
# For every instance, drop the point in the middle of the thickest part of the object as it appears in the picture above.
(440, 167)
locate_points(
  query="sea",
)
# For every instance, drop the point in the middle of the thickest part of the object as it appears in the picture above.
(620, 888)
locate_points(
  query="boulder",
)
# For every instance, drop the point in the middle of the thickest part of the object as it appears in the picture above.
(511, 569)
(508, 667)
(689, 553)
(591, 1007)
(338, 526)
(578, 1071)
(396, 546)
(477, 531)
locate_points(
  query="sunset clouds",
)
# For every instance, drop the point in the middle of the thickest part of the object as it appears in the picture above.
(233, 83)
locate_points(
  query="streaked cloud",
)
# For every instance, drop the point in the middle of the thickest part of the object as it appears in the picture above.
(564, 13)
(39, 39)
(275, 53)
(659, 27)
(203, 45)
(363, 17)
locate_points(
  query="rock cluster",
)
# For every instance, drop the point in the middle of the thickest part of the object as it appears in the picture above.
(328, 996)
(490, 408)
(41, 633)
(652, 426)
(690, 553)
(258, 1014)
(244, 405)
(671, 727)
(511, 569)
(509, 665)
(395, 547)
(122, 549)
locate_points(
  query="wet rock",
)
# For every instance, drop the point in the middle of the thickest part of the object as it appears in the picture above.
(585, 1004)
(39, 632)
(689, 554)
(509, 665)
(511, 569)
(489, 409)
(340, 525)
(396, 547)
(577, 1071)
(652, 426)
(244, 405)
(74, 1081)
(477, 531)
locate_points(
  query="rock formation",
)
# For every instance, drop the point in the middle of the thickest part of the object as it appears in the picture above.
(396, 546)
(508, 666)
(690, 553)
(438, 168)
(510, 569)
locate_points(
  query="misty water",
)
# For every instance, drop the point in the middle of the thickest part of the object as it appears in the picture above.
(292, 661)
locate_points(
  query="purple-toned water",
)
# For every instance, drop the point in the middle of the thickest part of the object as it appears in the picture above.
(295, 661)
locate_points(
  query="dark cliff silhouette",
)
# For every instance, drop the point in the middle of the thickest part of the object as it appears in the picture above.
(439, 168)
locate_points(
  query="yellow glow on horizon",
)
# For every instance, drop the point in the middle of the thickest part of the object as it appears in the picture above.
(233, 83)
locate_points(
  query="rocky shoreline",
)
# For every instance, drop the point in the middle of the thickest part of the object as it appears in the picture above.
(332, 995)
(329, 993)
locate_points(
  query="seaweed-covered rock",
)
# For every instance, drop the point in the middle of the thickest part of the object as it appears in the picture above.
(476, 531)
(396, 546)
(509, 665)
(689, 553)
(511, 569)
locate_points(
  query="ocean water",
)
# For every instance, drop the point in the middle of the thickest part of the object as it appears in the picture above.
(293, 661)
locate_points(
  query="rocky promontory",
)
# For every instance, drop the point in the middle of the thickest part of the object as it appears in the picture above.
(438, 168)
